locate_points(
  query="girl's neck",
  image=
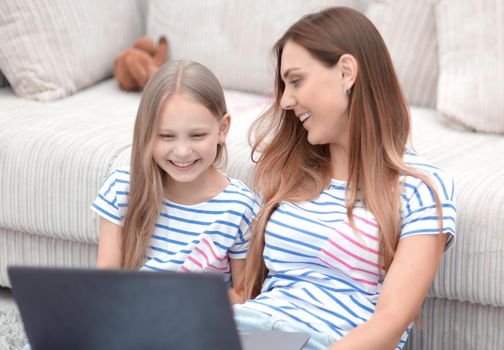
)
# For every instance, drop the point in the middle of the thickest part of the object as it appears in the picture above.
(205, 187)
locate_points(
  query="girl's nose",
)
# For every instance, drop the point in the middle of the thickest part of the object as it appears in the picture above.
(182, 150)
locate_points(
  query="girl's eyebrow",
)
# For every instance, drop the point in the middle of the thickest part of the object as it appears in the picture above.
(193, 129)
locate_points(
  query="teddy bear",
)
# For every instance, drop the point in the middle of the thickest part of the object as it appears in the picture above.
(134, 66)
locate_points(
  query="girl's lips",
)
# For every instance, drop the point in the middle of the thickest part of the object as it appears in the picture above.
(183, 165)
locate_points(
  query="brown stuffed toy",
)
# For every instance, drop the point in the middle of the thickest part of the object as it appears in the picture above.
(134, 66)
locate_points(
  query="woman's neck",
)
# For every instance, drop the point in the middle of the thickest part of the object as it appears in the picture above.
(339, 162)
(205, 187)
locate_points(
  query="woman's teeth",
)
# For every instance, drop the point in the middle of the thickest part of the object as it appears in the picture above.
(304, 116)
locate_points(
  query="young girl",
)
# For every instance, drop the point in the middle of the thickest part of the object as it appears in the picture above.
(353, 223)
(172, 209)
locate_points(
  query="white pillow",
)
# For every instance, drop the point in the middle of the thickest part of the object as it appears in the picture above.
(408, 28)
(471, 49)
(232, 38)
(51, 48)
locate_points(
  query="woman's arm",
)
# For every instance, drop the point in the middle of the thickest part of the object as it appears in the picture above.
(403, 291)
(237, 293)
(109, 246)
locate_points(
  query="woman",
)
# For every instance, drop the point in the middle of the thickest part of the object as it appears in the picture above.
(353, 224)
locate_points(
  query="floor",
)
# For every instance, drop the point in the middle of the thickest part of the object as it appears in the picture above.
(12, 335)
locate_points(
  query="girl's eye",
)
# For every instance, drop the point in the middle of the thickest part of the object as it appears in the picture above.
(198, 136)
(166, 136)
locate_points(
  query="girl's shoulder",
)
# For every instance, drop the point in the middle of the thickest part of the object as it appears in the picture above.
(117, 180)
(238, 190)
(120, 174)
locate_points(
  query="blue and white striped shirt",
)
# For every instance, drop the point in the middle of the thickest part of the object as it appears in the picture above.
(200, 237)
(326, 277)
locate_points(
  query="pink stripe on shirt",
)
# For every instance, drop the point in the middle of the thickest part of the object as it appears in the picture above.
(374, 251)
(208, 261)
(348, 265)
(356, 279)
(352, 254)
(212, 251)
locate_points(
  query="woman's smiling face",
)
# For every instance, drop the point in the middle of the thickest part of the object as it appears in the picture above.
(315, 93)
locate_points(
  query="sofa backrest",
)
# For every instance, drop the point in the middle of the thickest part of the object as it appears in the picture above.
(51, 49)
(232, 38)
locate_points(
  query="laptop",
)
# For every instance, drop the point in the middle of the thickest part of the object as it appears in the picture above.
(115, 309)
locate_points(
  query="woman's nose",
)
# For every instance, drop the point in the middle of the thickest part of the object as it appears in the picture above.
(287, 101)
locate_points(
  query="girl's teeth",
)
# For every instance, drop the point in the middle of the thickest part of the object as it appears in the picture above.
(304, 116)
(183, 165)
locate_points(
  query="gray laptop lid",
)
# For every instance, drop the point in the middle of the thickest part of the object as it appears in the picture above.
(111, 309)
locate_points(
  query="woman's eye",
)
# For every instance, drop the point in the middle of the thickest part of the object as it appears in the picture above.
(295, 82)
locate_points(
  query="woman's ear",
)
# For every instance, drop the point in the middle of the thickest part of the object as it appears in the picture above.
(225, 123)
(349, 68)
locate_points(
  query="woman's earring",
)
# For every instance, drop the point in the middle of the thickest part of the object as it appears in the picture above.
(348, 91)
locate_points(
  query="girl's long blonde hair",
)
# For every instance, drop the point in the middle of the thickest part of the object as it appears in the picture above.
(290, 169)
(147, 179)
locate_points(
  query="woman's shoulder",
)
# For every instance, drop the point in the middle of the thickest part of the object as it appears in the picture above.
(443, 181)
(418, 162)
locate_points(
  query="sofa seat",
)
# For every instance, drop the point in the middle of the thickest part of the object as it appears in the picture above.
(55, 155)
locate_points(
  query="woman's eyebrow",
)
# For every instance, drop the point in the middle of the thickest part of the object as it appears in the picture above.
(288, 72)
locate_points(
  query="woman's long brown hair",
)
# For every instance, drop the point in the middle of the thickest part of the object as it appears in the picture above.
(290, 169)
(147, 179)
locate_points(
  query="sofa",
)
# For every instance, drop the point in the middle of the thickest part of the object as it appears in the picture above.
(64, 123)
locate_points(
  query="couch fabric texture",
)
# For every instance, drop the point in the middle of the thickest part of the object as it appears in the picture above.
(52, 48)
(55, 155)
(471, 54)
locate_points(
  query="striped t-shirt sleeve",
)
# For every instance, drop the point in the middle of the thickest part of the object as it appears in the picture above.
(240, 246)
(419, 213)
(107, 204)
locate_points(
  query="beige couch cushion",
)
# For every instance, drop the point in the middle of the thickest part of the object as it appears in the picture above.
(409, 30)
(52, 48)
(473, 270)
(471, 49)
(232, 38)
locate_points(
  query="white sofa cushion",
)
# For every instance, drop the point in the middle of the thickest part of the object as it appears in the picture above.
(52, 48)
(409, 30)
(234, 38)
(473, 270)
(471, 49)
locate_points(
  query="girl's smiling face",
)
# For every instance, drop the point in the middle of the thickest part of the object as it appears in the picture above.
(188, 134)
